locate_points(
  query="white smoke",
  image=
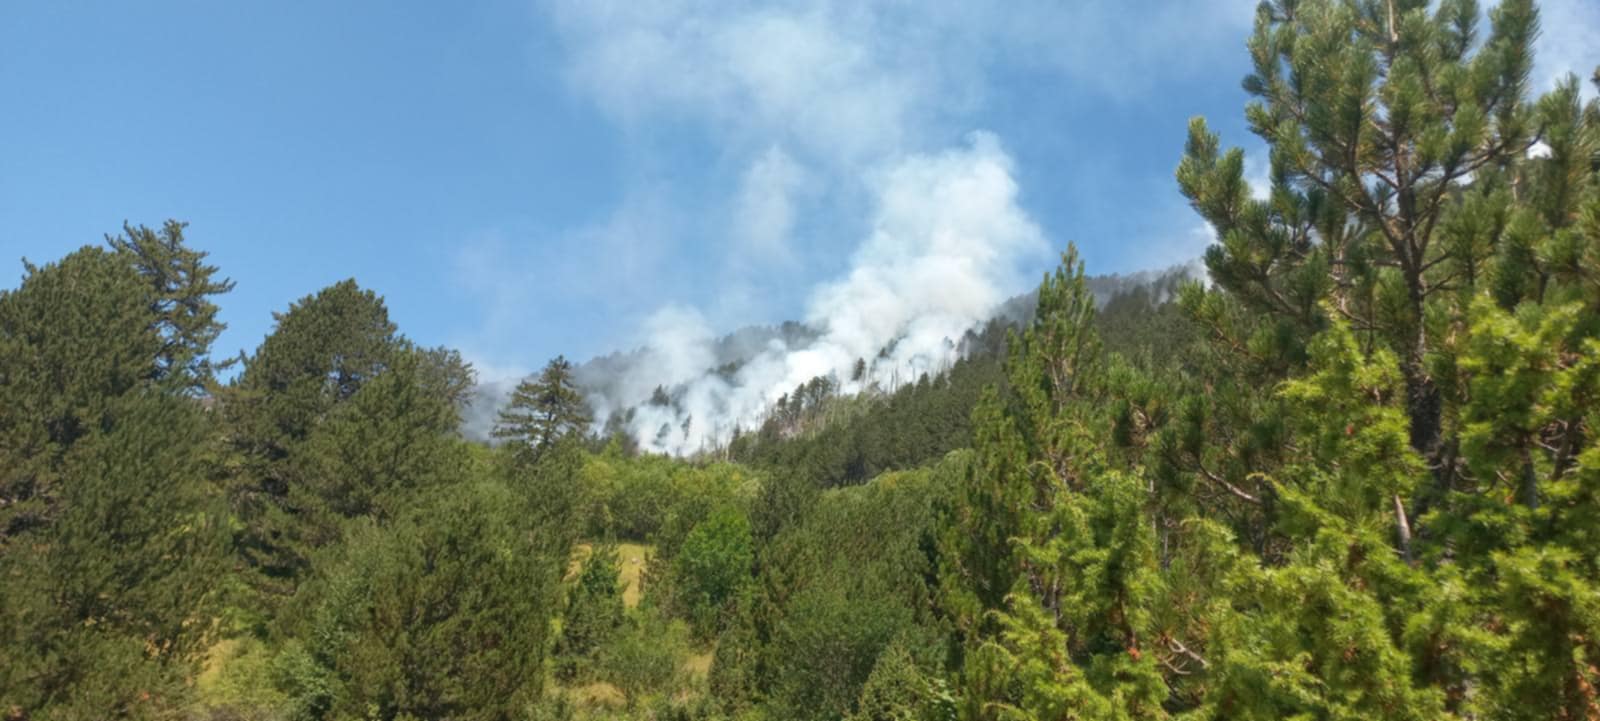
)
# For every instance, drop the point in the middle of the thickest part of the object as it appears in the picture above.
(947, 237)
(838, 114)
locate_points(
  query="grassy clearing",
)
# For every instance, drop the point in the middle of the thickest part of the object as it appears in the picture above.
(698, 665)
(631, 558)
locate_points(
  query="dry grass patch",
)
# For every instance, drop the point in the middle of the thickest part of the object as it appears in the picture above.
(631, 560)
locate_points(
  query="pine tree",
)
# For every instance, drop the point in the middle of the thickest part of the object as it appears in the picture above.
(443, 613)
(107, 599)
(75, 337)
(1415, 307)
(542, 411)
(1378, 115)
(373, 453)
(321, 353)
(594, 613)
(1061, 625)
(181, 286)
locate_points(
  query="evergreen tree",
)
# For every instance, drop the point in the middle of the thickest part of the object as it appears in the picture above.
(75, 337)
(594, 613)
(109, 534)
(107, 610)
(542, 411)
(443, 613)
(323, 350)
(391, 440)
(1378, 114)
(181, 285)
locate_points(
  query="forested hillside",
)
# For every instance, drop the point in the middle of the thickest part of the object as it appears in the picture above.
(1352, 474)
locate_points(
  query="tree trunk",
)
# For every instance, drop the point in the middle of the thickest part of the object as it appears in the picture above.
(1402, 528)
(1423, 407)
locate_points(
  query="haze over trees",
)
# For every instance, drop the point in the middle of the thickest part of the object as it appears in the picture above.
(1354, 476)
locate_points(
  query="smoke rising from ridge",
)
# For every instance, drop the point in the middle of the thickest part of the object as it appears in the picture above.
(946, 239)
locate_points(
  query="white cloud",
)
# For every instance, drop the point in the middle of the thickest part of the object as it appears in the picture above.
(1258, 173)
(1567, 43)
(804, 75)
(852, 81)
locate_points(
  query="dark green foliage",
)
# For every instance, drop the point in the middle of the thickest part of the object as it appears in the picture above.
(851, 440)
(594, 613)
(110, 605)
(393, 438)
(898, 690)
(74, 338)
(180, 285)
(852, 573)
(441, 614)
(1353, 478)
(825, 648)
(323, 350)
(545, 410)
(110, 533)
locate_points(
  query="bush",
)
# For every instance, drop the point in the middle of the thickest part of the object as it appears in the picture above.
(712, 566)
(442, 615)
(645, 656)
(594, 611)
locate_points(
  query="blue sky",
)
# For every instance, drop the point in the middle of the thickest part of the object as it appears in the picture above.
(521, 179)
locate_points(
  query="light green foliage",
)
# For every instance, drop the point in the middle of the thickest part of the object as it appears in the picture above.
(1347, 413)
(657, 498)
(712, 566)
(1075, 547)
(1018, 439)
(644, 657)
(1377, 114)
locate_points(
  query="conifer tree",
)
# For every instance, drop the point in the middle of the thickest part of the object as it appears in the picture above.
(109, 533)
(75, 337)
(544, 410)
(323, 350)
(1413, 305)
(181, 285)
(1378, 114)
(443, 613)
(370, 455)
(594, 612)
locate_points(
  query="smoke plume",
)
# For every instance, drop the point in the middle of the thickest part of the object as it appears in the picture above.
(944, 249)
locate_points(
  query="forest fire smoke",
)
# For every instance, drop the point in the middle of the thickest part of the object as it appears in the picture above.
(946, 239)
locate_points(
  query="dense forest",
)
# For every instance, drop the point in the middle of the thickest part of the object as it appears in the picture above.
(1352, 474)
